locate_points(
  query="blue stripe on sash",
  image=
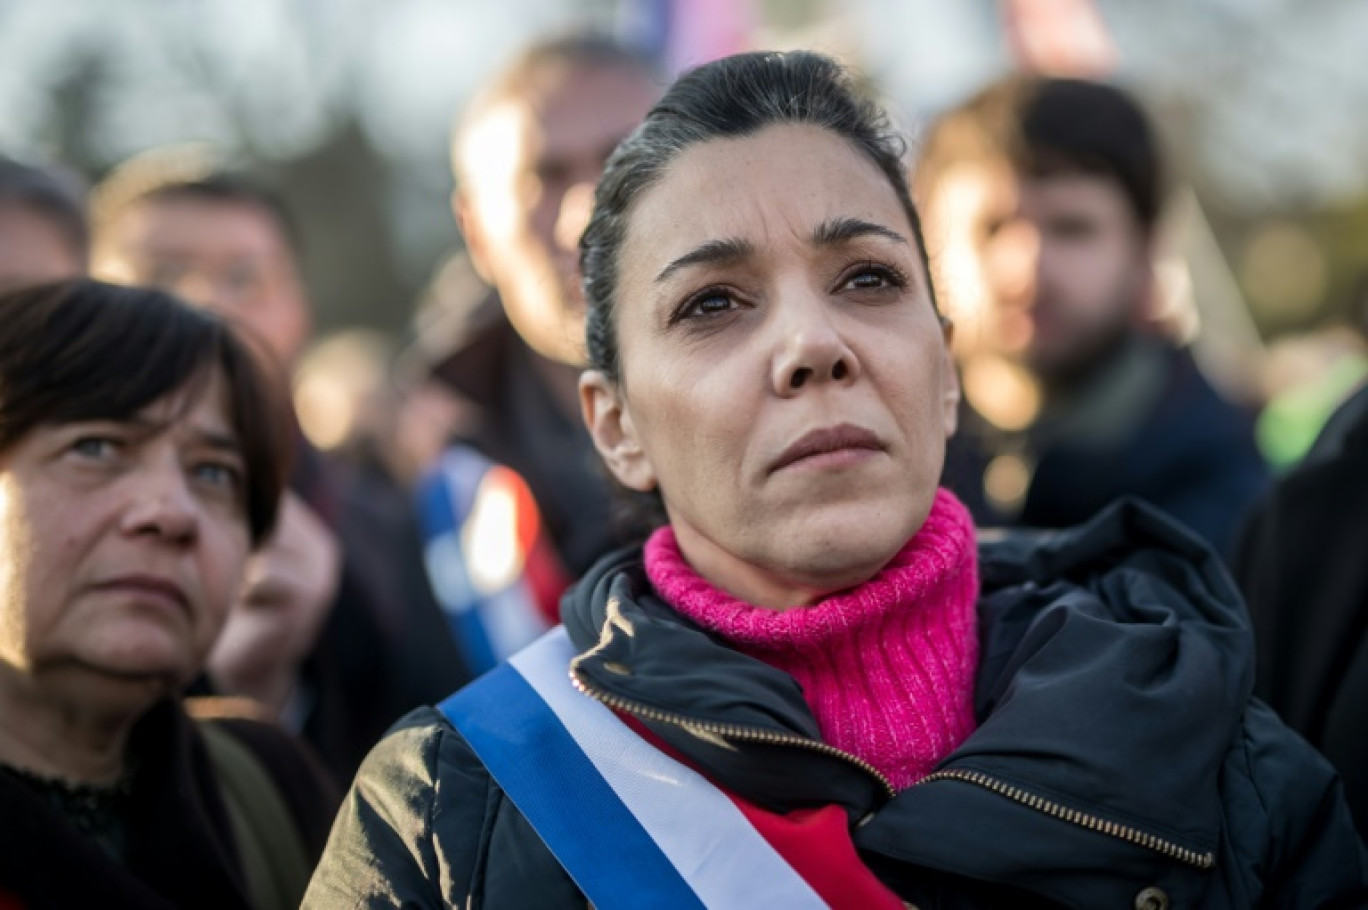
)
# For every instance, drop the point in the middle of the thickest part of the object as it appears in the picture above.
(529, 753)
(438, 514)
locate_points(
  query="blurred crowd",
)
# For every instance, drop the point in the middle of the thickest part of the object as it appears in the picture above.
(435, 498)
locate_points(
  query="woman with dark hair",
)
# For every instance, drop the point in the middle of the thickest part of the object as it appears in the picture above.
(813, 686)
(142, 455)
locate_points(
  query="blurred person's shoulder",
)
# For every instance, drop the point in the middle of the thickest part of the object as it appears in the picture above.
(1345, 434)
(1131, 542)
(309, 792)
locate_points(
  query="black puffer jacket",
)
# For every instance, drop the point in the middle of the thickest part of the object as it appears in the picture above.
(1118, 762)
(1302, 569)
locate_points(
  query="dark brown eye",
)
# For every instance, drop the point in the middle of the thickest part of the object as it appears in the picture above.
(873, 277)
(709, 303)
(867, 280)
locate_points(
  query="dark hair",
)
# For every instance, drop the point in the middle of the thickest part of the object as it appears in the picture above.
(1047, 126)
(84, 350)
(48, 194)
(732, 97)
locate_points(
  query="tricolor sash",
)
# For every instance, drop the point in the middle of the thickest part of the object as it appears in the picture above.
(632, 826)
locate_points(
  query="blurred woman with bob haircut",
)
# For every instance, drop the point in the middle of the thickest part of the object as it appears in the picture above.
(142, 455)
(814, 685)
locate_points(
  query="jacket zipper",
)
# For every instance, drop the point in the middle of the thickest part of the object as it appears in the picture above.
(1026, 798)
(1077, 817)
(730, 731)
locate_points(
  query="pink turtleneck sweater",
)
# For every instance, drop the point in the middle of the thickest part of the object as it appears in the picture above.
(887, 667)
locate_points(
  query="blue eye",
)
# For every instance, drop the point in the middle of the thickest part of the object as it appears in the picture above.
(218, 475)
(95, 447)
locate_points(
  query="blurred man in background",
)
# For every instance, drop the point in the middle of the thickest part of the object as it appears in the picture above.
(1042, 198)
(320, 635)
(526, 155)
(43, 233)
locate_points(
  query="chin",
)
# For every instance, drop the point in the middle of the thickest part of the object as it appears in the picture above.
(115, 691)
(847, 546)
(151, 659)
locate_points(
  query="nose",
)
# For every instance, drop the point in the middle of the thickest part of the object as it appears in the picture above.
(1017, 259)
(811, 349)
(161, 505)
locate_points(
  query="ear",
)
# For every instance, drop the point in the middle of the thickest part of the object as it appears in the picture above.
(610, 426)
(950, 401)
(463, 210)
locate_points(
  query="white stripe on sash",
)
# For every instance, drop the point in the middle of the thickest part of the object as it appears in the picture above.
(725, 860)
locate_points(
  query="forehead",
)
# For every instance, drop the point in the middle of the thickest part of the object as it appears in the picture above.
(990, 188)
(768, 187)
(190, 226)
(973, 188)
(588, 105)
(564, 110)
(33, 247)
(201, 406)
(1075, 193)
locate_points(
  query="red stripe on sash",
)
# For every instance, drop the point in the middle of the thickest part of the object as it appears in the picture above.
(815, 842)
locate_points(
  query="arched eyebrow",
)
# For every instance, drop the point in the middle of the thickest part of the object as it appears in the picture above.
(714, 252)
(836, 231)
(832, 232)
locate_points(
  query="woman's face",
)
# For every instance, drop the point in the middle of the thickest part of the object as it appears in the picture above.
(122, 544)
(785, 380)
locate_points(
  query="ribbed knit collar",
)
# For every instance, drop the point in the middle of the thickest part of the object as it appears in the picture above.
(887, 666)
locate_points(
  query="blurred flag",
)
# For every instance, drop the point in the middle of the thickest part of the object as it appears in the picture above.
(685, 33)
(491, 566)
(1059, 37)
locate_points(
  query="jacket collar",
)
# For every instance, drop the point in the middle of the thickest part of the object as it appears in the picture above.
(742, 722)
(1116, 663)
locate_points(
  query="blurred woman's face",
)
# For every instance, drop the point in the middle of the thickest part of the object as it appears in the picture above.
(785, 380)
(122, 543)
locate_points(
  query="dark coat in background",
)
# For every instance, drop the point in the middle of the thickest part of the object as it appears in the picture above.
(181, 849)
(517, 423)
(383, 649)
(1149, 425)
(1118, 757)
(1303, 566)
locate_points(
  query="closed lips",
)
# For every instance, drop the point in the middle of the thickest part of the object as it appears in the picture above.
(822, 442)
(148, 586)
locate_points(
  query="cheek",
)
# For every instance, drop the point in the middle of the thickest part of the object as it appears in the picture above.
(691, 432)
(1096, 273)
(913, 385)
(54, 541)
(537, 220)
(41, 556)
(224, 565)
